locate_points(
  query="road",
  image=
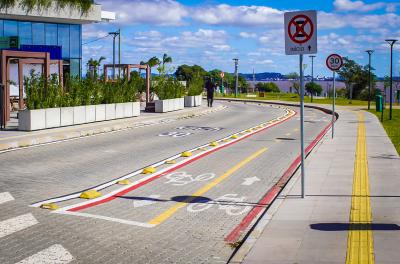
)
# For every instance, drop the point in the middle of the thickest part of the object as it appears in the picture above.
(181, 213)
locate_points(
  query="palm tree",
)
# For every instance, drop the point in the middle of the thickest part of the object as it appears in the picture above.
(166, 59)
(29, 5)
(93, 66)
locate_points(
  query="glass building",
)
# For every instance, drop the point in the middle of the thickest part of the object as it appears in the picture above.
(67, 36)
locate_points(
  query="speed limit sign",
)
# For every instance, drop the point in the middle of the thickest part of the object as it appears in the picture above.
(334, 62)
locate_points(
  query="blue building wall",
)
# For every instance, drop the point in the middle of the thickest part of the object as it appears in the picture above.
(68, 36)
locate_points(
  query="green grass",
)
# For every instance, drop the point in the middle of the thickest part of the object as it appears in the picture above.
(295, 98)
(392, 127)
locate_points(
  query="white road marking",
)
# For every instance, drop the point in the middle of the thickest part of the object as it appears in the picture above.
(141, 203)
(288, 114)
(16, 224)
(111, 219)
(5, 197)
(55, 254)
(250, 181)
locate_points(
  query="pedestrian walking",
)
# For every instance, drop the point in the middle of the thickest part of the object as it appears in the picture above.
(210, 87)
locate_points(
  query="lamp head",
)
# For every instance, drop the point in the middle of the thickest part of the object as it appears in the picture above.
(369, 51)
(391, 41)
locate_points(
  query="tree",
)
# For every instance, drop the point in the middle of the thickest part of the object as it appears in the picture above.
(267, 87)
(294, 78)
(356, 78)
(186, 72)
(313, 88)
(93, 67)
(29, 5)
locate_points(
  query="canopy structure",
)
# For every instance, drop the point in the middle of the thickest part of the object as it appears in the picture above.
(22, 58)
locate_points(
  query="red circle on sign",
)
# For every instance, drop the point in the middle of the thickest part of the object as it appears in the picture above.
(334, 66)
(300, 29)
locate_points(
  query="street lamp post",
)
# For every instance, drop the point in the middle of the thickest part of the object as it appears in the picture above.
(114, 34)
(391, 43)
(236, 76)
(369, 77)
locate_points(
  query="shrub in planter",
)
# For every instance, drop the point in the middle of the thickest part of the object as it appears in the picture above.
(195, 86)
(168, 87)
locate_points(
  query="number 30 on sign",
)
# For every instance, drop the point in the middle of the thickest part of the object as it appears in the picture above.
(334, 62)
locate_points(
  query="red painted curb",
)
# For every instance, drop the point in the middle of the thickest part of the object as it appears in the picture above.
(134, 187)
(272, 193)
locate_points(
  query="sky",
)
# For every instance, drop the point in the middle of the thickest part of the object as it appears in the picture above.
(212, 33)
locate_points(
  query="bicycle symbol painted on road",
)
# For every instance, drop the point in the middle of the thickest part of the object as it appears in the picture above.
(175, 134)
(230, 203)
(182, 178)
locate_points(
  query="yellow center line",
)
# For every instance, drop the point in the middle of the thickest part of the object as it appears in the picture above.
(360, 243)
(169, 212)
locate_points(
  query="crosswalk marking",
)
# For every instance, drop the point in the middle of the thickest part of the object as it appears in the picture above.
(55, 254)
(5, 197)
(16, 224)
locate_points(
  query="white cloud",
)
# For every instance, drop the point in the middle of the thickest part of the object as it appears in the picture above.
(263, 62)
(358, 21)
(238, 15)
(248, 35)
(348, 5)
(156, 12)
(361, 6)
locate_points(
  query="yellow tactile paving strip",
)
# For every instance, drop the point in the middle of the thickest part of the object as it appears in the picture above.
(360, 243)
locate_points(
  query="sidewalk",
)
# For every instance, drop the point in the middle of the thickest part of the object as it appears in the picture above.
(316, 229)
(10, 139)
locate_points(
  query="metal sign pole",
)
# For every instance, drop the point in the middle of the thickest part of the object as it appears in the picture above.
(2, 125)
(302, 126)
(333, 104)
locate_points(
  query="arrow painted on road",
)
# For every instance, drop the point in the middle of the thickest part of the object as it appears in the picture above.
(146, 201)
(250, 181)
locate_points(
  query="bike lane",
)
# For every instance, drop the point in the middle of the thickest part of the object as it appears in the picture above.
(207, 199)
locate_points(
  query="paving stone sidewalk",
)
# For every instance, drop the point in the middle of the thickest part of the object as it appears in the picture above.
(308, 230)
(11, 139)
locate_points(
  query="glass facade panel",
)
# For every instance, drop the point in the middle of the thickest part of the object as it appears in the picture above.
(25, 33)
(75, 67)
(75, 42)
(38, 36)
(1, 28)
(63, 40)
(51, 34)
(10, 28)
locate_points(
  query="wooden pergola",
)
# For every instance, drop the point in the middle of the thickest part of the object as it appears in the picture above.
(126, 70)
(23, 57)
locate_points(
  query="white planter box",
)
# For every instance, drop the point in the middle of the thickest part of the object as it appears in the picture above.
(90, 113)
(53, 117)
(79, 115)
(119, 110)
(168, 105)
(29, 120)
(110, 111)
(67, 116)
(100, 112)
(136, 109)
(128, 109)
(193, 101)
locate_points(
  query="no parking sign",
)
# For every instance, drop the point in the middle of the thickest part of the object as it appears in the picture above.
(301, 32)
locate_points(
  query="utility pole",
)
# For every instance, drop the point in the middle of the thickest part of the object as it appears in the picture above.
(114, 34)
(369, 77)
(391, 43)
(237, 76)
(312, 67)
(119, 54)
